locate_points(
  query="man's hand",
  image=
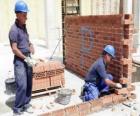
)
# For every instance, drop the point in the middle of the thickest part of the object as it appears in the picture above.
(118, 85)
(29, 61)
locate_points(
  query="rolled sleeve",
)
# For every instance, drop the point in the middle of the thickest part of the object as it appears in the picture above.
(13, 36)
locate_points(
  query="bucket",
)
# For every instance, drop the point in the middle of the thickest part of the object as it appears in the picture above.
(64, 96)
(10, 85)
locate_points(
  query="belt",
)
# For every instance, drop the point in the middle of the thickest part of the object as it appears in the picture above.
(27, 54)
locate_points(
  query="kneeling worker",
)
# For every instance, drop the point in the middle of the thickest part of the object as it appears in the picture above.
(97, 80)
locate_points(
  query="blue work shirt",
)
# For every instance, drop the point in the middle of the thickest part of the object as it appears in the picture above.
(20, 36)
(97, 72)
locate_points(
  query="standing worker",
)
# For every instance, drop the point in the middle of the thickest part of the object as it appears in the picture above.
(97, 80)
(22, 48)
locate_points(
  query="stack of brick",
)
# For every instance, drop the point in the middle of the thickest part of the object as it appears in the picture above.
(86, 36)
(47, 75)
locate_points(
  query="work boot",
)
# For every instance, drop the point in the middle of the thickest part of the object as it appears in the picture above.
(18, 113)
(28, 108)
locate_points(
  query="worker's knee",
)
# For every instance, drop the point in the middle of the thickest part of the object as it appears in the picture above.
(90, 92)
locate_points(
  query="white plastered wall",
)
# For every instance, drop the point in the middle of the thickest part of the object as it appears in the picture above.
(35, 22)
(99, 7)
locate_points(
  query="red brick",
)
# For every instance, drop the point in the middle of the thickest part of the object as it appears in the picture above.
(84, 108)
(126, 61)
(126, 42)
(119, 98)
(60, 112)
(131, 88)
(46, 114)
(96, 105)
(126, 22)
(121, 91)
(124, 80)
(55, 81)
(107, 100)
(72, 111)
(40, 83)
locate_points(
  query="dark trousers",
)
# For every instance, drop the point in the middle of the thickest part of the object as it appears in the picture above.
(23, 77)
(92, 91)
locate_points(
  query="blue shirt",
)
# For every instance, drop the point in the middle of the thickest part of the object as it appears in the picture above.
(97, 72)
(20, 36)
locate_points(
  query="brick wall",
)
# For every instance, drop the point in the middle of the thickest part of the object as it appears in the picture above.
(92, 106)
(86, 36)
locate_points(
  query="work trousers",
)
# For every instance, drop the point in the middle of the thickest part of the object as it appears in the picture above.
(92, 91)
(23, 78)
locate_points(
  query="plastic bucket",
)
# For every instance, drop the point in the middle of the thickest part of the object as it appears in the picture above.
(10, 85)
(64, 96)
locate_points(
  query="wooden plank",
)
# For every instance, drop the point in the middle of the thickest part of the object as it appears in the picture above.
(49, 91)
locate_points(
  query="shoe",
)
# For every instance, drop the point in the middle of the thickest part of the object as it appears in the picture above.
(28, 108)
(19, 113)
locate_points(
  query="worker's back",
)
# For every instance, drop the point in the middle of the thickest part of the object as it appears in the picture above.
(96, 72)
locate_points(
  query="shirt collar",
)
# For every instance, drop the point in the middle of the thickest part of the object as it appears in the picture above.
(19, 25)
(104, 62)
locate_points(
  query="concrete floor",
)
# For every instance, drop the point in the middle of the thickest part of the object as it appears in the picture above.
(46, 103)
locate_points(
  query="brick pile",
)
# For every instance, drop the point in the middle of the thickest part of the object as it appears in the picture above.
(47, 75)
(86, 36)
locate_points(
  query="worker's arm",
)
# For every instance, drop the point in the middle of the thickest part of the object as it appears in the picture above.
(16, 51)
(110, 83)
(13, 36)
(103, 74)
(113, 84)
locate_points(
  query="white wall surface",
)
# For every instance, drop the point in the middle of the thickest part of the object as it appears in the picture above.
(35, 21)
(127, 7)
(99, 7)
(85, 7)
(53, 22)
(137, 25)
